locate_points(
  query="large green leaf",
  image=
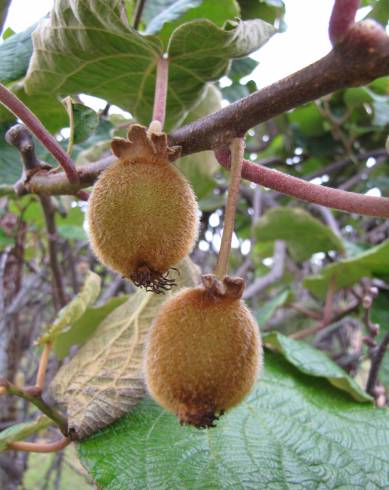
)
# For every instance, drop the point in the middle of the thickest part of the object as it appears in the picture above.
(23, 430)
(314, 362)
(371, 263)
(109, 59)
(303, 233)
(15, 54)
(294, 431)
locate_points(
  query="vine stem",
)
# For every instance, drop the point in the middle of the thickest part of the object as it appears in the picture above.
(351, 202)
(33, 395)
(41, 375)
(161, 87)
(342, 18)
(237, 152)
(15, 105)
(39, 447)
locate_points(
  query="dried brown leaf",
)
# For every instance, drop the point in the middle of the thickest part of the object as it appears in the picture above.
(104, 379)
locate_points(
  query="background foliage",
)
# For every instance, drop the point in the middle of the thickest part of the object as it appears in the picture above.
(309, 423)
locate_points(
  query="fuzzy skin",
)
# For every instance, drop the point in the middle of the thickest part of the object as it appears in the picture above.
(203, 355)
(142, 214)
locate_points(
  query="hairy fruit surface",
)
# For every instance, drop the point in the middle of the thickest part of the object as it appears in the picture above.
(204, 352)
(142, 213)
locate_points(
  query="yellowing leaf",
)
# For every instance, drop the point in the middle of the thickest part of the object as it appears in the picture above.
(75, 309)
(104, 379)
(23, 430)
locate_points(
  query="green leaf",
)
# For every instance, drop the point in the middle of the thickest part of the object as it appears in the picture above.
(104, 380)
(380, 12)
(200, 51)
(371, 263)
(15, 54)
(269, 10)
(122, 71)
(74, 309)
(308, 119)
(182, 11)
(303, 233)
(241, 68)
(23, 430)
(293, 431)
(314, 362)
(265, 312)
(83, 328)
(5, 239)
(86, 121)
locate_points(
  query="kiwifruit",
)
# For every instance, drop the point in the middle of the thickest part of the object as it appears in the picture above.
(204, 351)
(142, 213)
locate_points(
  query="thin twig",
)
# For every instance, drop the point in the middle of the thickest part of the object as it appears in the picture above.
(33, 395)
(39, 447)
(52, 237)
(138, 13)
(237, 152)
(41, 375)
(309, 313)
(15, 105)
(376, 364)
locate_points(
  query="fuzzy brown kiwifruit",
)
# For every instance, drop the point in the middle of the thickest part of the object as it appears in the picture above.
(142, 213)
(204, 352)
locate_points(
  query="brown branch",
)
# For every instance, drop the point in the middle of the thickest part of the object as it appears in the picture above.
(15, 105)
(361, 57)
(39, 447)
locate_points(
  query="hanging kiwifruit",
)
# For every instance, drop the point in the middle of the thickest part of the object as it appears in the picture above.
(204, 351)
(142, 213)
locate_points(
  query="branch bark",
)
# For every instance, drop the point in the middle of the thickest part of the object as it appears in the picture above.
(361, 57)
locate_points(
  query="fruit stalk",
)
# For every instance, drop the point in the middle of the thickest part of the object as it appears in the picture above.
(237, 152)
(161, 87)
